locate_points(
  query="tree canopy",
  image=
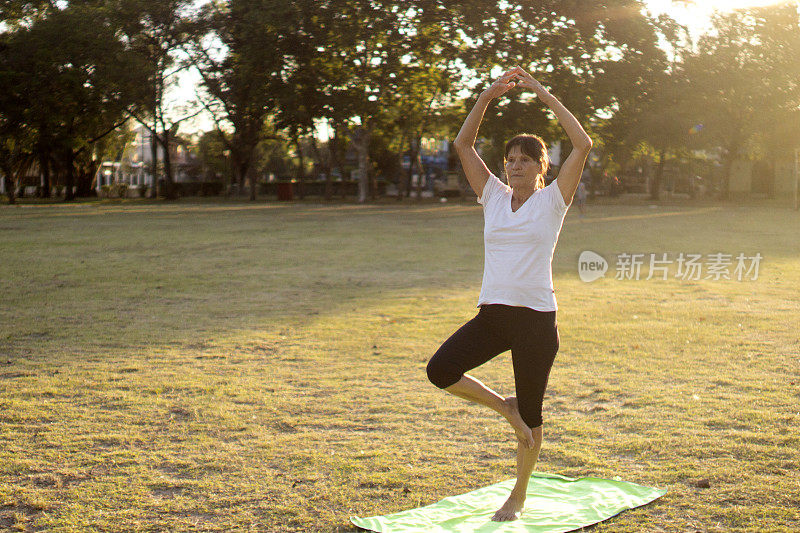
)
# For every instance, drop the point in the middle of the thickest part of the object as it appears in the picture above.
(384, 74)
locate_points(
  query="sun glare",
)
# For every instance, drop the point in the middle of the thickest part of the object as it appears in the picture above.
(730, 5)
(696, 14)
(706, 7)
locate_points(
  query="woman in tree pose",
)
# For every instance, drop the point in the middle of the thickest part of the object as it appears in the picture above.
(522, 221)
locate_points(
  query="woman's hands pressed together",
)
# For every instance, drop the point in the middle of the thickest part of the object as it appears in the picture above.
(501, 86)
(515, 77)
(529, 82)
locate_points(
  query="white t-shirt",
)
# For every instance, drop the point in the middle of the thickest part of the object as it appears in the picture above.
(518, 246)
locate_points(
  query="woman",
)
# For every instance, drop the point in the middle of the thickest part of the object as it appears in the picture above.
(517, 302)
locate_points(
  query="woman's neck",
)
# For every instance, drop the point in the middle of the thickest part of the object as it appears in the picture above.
(520, 194)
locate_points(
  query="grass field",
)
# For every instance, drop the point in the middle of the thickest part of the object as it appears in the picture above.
(238, 367)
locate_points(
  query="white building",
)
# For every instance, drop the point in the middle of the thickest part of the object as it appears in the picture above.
(134, 166)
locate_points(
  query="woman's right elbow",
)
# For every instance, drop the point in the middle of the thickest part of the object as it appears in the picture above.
(460, 145)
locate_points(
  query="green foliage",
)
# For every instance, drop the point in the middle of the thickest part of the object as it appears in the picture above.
(744, 84)
(212, 153)
(66, 80)
(20, 12)
(273, 156)
(112, 146)
(155, 31)
(243, 84)
(114, 190)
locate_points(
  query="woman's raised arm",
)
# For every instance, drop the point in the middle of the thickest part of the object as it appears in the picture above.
(570, 174)
(474, 168)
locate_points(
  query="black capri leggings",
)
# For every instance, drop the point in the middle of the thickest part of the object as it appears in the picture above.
(532, 337)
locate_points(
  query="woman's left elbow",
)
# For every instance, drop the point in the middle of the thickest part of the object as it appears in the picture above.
(586, 145)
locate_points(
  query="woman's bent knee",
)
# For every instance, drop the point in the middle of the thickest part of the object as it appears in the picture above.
(442, 375)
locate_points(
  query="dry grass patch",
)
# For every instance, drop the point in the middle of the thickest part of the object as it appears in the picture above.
(230, 367)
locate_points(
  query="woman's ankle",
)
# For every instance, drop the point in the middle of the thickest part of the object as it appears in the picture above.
(518, 494)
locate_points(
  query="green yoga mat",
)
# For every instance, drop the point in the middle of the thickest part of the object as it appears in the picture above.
(554, 504)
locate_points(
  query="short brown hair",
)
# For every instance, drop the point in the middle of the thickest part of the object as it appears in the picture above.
(532, 146)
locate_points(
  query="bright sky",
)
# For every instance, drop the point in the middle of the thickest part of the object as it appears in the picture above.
(696, 14)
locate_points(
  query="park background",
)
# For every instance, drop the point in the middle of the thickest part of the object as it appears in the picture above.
(237, 363)
(361, 99)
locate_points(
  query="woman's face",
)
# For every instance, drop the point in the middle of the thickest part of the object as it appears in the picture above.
(521, 169)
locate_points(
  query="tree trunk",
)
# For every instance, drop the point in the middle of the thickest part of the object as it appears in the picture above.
(732, 152)
(230, 174)
(69, 161)
(655, 191)
(84, 179)
(770, 185)
(241, 174)
(410, 173)
(8, 183)
(727, 165)
(373, 186)
(170, 192)
(302, 173)
(44, 173)
(328, 181)
(324, 162)
(417, 161)
(402, 177)
(241, 170)
(154, 188)
(337, 161)
(333, 149)
(253, 178)
(361, 141)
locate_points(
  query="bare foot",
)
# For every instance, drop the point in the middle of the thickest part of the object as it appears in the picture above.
(522, 430)
(510, 510)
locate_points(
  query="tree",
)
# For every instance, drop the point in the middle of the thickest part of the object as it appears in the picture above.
(428, 75)
(239, 48)
(656, 116)
(66, 82)
(156, 30)
(17, 13)
(384, 67)
(631, 82)
(744, 76)
(579, 48)
(777, 29)
(363, 44)
(15, 159)
(212, 152)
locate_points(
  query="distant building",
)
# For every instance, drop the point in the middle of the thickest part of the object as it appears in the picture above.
(134, 164)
